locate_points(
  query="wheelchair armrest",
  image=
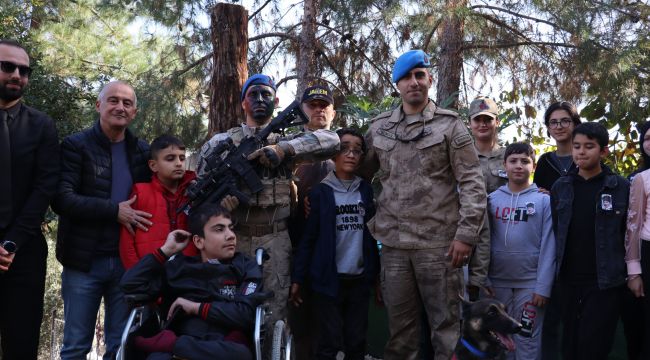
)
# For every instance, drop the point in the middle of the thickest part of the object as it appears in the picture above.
(135, 300)
(261, 256)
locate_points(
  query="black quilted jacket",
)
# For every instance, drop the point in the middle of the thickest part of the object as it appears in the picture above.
(87, 216)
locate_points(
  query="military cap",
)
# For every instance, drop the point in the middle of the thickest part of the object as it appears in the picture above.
(408, 61)
(483, 106)
(318, 92)
(257, 79)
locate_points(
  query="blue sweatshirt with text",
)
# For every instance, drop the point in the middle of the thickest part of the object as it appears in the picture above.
(522, 240)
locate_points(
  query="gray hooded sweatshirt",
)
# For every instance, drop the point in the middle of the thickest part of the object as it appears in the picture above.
(522, 240)
(349, 224)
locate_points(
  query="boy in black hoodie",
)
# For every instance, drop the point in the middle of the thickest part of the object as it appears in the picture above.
(589, 209)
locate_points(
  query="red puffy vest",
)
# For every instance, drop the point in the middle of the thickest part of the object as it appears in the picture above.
(161, 204)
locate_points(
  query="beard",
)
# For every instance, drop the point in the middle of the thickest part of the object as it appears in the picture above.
(7, 94)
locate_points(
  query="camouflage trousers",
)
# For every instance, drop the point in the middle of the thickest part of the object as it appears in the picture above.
(276, 270)
(411, 278)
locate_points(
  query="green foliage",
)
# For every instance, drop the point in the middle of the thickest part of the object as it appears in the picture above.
(357, 111)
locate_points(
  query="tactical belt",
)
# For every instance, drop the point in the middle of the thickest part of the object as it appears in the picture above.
(261, 229)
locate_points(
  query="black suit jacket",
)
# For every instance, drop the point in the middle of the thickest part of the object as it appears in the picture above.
(34, 173)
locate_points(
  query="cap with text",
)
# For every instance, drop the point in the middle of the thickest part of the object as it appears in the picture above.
(318, 92)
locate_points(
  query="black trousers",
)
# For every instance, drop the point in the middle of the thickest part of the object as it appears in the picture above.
(21, 301)
(590, 319)
(552, 325)
(302, 322)
(645, 311)
(632, 316)
(343, 320)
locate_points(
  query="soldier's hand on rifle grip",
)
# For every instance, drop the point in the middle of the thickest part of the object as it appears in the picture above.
(270, 156)
(230, 202)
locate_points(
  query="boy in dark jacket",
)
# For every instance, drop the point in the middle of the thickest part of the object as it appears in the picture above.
(160, 197)
(213, 296)
(338, 254)
(589, 209)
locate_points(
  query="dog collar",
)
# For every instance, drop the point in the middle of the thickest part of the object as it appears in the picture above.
(473, 350)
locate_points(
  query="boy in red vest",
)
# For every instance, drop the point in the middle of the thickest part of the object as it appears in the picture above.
(161, 197)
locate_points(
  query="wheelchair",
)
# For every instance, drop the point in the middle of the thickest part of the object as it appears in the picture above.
(144, 320)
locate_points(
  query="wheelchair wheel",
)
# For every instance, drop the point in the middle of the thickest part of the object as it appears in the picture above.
(282, 340)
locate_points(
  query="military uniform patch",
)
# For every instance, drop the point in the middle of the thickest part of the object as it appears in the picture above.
(387, 134)
(461, 141)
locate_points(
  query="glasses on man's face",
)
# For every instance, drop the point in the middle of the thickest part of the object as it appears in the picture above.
(564, 122)
(9, 67)
(346, 150)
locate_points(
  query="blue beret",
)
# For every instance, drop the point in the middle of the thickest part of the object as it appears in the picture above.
(257, 79)
(409, 60)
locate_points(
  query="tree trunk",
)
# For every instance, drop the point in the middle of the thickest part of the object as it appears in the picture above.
(306, 70)
(450, 61)
(229, 66)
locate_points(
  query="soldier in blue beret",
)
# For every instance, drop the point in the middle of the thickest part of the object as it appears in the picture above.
(429, 212)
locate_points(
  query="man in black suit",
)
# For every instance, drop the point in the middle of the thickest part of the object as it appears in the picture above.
(29, 171)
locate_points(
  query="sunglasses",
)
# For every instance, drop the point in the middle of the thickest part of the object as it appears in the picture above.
(9, 67)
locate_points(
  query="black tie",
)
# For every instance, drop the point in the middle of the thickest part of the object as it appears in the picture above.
(5, 171)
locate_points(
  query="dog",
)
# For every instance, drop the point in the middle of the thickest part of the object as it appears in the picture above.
(486, 331)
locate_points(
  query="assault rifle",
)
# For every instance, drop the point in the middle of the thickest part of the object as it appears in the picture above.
(221, 178)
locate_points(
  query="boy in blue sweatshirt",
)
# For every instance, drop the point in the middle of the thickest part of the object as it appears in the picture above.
(338, 255)
(522, 265)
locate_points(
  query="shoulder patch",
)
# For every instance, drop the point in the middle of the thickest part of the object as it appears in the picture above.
(385, 114)
(236, 134)
(461, 141)
(446, 112)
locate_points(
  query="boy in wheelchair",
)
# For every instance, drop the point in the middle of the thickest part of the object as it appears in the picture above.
(211, 298)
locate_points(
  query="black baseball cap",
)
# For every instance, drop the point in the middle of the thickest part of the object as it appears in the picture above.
(318, 92)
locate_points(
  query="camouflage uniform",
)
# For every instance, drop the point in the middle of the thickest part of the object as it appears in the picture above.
(494, 175)
(432, 193)
(264, 222)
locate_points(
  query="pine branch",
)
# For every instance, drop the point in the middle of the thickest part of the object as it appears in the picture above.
(427, 40)
(496, 8)
(285, 79)
(502, 23)
(516, 44)
(109, 66)
(92, 10)
(270, 53)
(189, 67)
(273, 34)
(381, 71)
(336, 72)
(295, 77)
(258, 10)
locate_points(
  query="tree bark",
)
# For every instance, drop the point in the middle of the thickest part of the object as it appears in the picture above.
(229, 66)
(450, 61)
(306, 69)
